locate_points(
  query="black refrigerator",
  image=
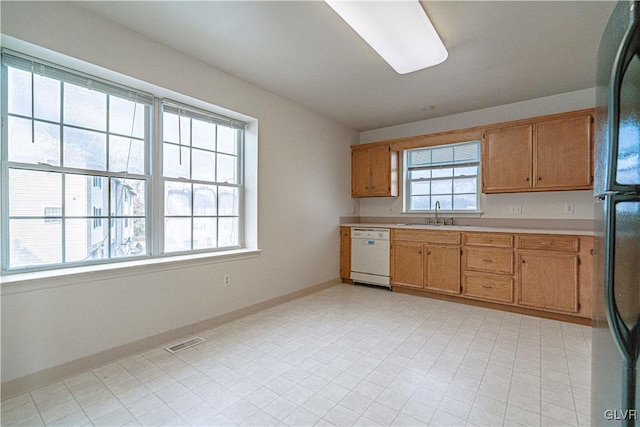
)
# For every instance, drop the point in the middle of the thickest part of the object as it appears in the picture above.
(616, 298)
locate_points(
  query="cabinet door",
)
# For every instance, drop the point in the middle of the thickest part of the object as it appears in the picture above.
(563, 153)
(345, 252)
(360, 172)
(442, 269)
(406, 264)
(548, 281)
(506, 159)
(380, 171)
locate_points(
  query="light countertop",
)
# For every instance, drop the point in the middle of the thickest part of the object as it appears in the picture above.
(490, 229)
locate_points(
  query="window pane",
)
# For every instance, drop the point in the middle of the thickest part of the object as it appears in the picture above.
(228, 201)
(170, 129)
(226, 169)
(84, 149)
(441, 187)
(420, 157)
(420, 174)
(204, 200)
(31, 191)
(204, 165)
(127, 197)
(177, 198)
(86, 239)
(204, 233)
(204, 135)
(177, 234)
(127, 237)
(173, 165)
(85, 193)
(445, 202)
(47, 98)
(442, 155)
(34, 242)
(468, 171)
(45, 148)
(464, 202)
(19, 92)
(420, 188)
(466, 153)
(126, 116)
(464, 185)
(228, 232)
(420, 203)
(440, 173)
(84, 107)
(227, 140)
(126, 155)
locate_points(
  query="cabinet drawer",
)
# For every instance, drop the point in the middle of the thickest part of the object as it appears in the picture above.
(489, 260)
(486, 286)
(427, 236)
(550, 243)
(488, 239)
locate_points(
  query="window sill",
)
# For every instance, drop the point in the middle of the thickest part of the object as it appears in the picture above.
(446, 214)
(34, 281)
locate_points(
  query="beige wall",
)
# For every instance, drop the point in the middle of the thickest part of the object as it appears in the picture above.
(303, 189)
(534, 205)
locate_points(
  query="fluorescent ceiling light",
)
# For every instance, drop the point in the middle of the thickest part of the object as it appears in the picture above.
(400, 31)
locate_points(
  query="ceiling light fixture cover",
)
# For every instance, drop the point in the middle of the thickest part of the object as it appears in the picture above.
(400, 31)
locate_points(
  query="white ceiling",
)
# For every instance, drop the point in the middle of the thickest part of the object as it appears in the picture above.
(499, 53)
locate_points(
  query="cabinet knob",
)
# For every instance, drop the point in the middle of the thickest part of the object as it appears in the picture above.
(366, 187)
(487, 287)
(522, 261)
(420, 252)
(539, 178)
(428, 253)
(591, 251)
(526, 179)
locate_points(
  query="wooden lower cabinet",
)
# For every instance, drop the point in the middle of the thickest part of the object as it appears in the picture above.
(548, 281)
(442, 269)
(531, 273)
(491, 287)
(424, 260)
(407, 265)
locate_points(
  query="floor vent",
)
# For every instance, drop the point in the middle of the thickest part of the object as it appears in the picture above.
(184, 344)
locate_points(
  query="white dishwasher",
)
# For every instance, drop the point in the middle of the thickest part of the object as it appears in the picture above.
(370, 256)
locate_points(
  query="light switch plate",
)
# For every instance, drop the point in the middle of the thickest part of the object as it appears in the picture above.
(515, 209)
(570, 208)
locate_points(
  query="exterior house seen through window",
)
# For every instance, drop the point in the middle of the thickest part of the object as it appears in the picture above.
(447, 174)
(78, 184)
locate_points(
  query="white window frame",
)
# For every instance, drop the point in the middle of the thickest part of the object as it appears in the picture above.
(407, 181)
(154, 228)
(187, 111)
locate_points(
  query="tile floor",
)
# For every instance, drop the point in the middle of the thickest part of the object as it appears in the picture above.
(348, 355)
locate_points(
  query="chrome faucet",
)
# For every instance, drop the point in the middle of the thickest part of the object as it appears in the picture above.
(437, 207)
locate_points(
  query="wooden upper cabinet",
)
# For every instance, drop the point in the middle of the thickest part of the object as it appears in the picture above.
(507, 159)
(374, 171)
(541, 154)
(563, 153)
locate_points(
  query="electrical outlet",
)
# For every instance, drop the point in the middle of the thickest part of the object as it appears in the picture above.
(226, 280)
(570, 208)
(515, 209)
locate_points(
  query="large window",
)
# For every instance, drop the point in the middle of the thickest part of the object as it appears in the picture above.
(78, 185)
(201, 177)
(445, 174)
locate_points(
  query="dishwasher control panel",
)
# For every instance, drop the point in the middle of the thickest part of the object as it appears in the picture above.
(370, 233)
